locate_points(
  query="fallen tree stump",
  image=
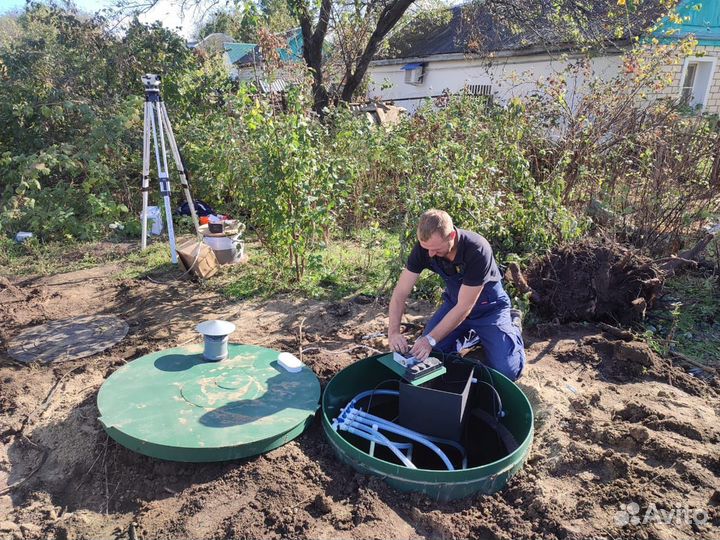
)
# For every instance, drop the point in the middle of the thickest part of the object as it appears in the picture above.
(591, 280)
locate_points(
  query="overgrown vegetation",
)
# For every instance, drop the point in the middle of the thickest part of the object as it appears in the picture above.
(364, 265)
(71, 110)
(642, 168)
(528, 175)
(689, 321)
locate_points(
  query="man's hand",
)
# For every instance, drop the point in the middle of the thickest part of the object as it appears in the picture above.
(398, 343)
(422, 349)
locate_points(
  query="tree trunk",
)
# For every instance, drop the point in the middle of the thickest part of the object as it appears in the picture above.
(313, 40)
(390, 16)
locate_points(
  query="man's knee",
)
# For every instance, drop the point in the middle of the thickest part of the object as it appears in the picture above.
(504, 349)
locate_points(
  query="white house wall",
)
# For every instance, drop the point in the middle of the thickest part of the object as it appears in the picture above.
(509, 77)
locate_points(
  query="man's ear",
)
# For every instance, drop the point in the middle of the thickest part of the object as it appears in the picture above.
(452, 235)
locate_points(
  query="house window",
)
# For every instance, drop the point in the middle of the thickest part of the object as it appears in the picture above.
(687, 86)
(696, 80)
(414, 73)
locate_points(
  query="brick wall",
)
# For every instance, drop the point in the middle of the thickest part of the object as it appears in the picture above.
(676, 70)
(713, 103)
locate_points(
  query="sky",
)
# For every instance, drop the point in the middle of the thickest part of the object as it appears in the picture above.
(165, 11)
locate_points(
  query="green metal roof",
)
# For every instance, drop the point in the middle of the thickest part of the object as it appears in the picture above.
(242, 53)
(699, 18)
(237, 50)
(294, 50)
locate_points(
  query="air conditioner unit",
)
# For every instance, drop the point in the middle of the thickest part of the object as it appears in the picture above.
(414, 73)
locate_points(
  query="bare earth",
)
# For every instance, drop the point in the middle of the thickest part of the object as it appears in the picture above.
(614, 425)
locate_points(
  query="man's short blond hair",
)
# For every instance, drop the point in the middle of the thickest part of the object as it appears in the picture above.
(432, 222)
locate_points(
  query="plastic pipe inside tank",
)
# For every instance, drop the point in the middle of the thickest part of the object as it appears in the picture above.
(354, 418)
(367, 417)
(368, 393)
(378, 438)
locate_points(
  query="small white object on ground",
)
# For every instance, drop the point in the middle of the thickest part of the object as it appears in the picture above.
(22, 236)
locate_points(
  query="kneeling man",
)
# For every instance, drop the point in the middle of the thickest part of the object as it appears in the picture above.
(475, 309)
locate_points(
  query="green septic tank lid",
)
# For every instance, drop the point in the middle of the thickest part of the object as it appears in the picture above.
(175, 405)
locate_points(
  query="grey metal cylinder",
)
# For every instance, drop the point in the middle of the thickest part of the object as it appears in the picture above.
(216, 335)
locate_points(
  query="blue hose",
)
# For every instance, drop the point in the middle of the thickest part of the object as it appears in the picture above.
(412, 435)
(379, 438)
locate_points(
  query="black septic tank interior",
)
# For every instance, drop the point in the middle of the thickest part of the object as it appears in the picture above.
(458, 414)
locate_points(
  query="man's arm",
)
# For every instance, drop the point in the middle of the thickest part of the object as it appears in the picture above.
(397, 307)
(467, 296)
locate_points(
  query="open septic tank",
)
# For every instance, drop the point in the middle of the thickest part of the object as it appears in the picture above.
(461, 430)
(478, 421)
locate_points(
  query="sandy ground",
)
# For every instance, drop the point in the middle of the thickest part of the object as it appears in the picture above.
(615, 426)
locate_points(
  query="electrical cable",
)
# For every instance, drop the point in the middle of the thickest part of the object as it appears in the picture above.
(497, 413)
(376, 388)
(500, 413)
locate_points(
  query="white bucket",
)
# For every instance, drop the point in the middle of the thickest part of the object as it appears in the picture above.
(155, 222)
(228, 249)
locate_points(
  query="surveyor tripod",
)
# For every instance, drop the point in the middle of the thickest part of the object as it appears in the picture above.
(157, 125)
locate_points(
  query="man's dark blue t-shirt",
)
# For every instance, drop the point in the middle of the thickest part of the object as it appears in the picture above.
(474, 263)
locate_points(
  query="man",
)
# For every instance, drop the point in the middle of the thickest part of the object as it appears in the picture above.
(475, 306)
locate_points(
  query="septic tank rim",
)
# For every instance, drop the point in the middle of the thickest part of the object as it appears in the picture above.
(441, 485)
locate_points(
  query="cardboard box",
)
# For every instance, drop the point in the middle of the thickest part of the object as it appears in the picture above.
(204, 264)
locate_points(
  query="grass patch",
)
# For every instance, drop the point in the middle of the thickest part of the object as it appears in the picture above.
(33, 257)
(365, 265)
(691, 324)
(153, 260)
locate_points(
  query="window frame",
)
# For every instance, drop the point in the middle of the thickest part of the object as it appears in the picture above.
(699, 60)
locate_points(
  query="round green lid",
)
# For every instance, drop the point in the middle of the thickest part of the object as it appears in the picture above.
(175, 405)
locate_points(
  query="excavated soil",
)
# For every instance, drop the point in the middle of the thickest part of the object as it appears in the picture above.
(594, 279)
(615, 426)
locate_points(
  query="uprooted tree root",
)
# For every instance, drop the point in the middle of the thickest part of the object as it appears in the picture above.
(591, 280)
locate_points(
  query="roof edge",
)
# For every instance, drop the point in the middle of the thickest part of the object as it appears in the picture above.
(507, 53)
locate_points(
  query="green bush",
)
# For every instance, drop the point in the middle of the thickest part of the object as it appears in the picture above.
(70, 154)
(469, 159)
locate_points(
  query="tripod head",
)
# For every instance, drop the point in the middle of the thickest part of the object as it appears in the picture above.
(151, 82)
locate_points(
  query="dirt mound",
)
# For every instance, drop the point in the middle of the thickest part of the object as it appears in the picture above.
(619, 361)
(594, 280)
